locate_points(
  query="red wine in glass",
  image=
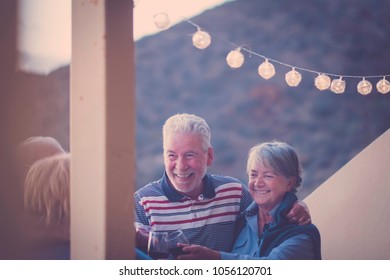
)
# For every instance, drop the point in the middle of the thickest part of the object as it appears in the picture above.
(158, 245)
(158, 255)
(176, 251)
(176, 241)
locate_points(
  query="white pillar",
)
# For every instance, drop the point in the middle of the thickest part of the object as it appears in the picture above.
(102, 130)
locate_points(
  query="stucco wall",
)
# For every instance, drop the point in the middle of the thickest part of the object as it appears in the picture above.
(352, 208)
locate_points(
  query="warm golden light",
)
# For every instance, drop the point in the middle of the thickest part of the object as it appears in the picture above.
(266, 70)
(322, 82)
(338, 85)
(235, 59)
(383, 86)
(161, 20)
(201, 39)
(364, 87)
(293, 78)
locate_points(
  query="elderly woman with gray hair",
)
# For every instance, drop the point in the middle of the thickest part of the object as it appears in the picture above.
(275, 174)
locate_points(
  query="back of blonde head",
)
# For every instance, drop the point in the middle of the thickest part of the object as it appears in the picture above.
(37, 147)
(47, 189)
(32, 149)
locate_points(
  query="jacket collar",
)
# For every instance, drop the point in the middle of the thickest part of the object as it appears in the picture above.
(278, 213)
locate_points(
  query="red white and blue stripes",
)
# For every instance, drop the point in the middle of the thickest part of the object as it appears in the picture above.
(209, 220)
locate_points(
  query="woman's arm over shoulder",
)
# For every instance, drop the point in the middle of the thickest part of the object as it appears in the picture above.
(298, 247)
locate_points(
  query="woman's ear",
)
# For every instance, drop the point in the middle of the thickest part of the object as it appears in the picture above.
(291, 183)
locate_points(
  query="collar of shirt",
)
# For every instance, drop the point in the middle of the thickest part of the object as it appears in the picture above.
(173, 195)
(253, 209)
(251, 216)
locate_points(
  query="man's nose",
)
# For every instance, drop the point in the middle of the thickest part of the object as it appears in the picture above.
(181, 163)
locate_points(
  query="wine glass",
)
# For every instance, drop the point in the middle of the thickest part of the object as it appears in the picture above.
(176, 241)
(158, 245)
(142, 236)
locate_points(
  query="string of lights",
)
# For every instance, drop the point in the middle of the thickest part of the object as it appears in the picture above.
(201, 39)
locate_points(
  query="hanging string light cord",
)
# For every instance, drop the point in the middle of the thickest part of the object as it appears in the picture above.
(201, 39)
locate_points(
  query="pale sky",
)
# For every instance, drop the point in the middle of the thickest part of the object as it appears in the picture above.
(176, 9)
(45, 26)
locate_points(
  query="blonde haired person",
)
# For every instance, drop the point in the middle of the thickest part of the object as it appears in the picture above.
(47, 191)
(46, 196)
(35, 148)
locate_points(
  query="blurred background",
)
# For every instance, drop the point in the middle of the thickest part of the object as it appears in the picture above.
(346, 37)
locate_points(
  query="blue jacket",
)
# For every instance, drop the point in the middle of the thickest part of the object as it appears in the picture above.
(280, 240)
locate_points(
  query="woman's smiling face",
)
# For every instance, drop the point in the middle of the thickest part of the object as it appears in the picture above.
(266, 186)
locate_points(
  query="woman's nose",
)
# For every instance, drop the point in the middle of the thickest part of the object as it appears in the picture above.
(259, 181)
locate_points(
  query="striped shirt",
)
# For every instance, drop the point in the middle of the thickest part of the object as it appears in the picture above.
(209, 220)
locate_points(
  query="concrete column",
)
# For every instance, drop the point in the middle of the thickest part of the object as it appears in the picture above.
(102, 141)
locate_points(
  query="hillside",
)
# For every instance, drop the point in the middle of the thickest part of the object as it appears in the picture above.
(242, 109)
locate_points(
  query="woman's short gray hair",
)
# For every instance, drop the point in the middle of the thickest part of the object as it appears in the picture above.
(188, 123)
(279, 156)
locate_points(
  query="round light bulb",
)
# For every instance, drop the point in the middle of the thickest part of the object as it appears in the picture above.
(235, 58)
(293, 78)
(383, 86)
(201, 39)
(322, 82)
(266, 70)
(338, 86)
(161, 20)
(364, 87)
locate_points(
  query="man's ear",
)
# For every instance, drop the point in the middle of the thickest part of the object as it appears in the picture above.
(210, 156)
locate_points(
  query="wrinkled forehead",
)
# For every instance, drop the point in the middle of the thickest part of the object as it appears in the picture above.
(183, 139)
(258, 160)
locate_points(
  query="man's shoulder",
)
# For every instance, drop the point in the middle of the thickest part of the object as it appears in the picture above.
(152, 188)
(222, 183)
(222, 179)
